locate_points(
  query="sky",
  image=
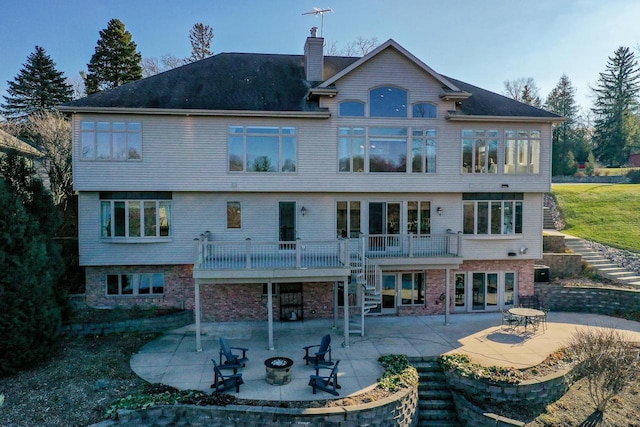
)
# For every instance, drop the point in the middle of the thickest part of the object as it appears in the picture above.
(481, 42)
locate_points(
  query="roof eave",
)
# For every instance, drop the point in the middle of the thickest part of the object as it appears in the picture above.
(323, 114)
(318, 91)
(455, 96)
(527, 119)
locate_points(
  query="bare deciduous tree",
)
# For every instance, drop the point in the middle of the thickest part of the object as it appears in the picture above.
(51, 133)
(523, 90)
(200, 37)
(152, 65)
(360, 46)
(607, 360)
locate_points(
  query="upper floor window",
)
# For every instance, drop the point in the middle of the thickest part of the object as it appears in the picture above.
(479, 151)
(351, 109)
(424, 109)
(106, 140)
(262, 149)
(136, 284)
(388, 102)
(492, 213)
(423, 150)
(351, 149)
(135, 214)
(387, 149)
(522, 152)
(234, 215)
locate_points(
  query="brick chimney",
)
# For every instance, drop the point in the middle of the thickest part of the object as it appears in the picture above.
(314, 57)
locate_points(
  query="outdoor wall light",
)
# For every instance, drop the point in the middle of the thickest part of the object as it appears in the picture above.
(303, 211)
(523, 250)
(439, 210)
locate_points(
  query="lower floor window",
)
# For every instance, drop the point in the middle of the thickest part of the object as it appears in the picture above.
(413, 285)
(135, 284)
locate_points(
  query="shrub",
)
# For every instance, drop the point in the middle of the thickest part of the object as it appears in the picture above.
(398, 374)
(608, 361)
(634, 176)
(461, 365)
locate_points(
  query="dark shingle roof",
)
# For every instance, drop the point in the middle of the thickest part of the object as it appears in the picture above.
(227, 81)
(263, 82)
(485, 103)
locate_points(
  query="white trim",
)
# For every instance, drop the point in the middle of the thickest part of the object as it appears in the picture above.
(197, 112)
(455, 117)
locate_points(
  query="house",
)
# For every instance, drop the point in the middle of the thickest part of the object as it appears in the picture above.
(10, 143)
(277, 187)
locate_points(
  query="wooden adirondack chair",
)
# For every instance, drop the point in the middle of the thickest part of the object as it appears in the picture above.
(328, 383)
(232, 361)
(223, 383)
(319, 357)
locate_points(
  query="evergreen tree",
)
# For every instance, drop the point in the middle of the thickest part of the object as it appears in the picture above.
(30, 314)
(200, 37)
(616, 102)
(561, 101)
(115, 61)
(37, 87)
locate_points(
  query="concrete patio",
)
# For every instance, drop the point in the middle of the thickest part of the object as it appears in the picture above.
(173, 360)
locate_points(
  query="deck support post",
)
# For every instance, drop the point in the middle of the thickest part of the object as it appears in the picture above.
(197, 308)
(346, 314)
(270, 313)
(447, 295)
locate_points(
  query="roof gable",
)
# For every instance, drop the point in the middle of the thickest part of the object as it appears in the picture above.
(392, 44)
(10, 143)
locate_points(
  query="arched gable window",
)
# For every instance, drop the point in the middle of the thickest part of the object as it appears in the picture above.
(351, 109)
(424, 109)
(388, 102)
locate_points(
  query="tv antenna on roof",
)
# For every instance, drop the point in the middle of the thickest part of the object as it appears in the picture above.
(317, 11)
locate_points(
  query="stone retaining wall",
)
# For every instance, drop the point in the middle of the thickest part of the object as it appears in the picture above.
(145, 325)
(540, 391)
(562, 265)
(400, 409)
(537, 391)
(587, 300)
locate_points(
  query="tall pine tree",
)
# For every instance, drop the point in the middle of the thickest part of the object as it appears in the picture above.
(37, 87)
(116, 60)
(561, 101)
(616, 102)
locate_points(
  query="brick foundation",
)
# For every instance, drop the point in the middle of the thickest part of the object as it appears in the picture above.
(235, 302)
(178, 287)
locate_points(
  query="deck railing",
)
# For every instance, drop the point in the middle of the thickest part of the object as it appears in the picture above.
(410, 245)
(249, 254)
(267, 255)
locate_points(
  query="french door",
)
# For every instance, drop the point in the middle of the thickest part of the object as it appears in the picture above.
(384, 218)
(484, 291)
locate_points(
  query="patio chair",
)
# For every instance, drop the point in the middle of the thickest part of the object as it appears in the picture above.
(509, 320)
(233, 361)
(328, 383)
(319, 357)
(223, 383)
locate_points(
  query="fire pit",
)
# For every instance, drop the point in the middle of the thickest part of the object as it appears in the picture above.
(279, 370)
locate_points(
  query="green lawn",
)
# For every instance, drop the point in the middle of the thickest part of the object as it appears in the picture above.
(609, 214)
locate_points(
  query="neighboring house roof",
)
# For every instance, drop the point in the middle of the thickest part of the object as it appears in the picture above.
(276, 83)
(9, 143)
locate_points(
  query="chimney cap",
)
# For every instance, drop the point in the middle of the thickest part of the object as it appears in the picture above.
(314, 32)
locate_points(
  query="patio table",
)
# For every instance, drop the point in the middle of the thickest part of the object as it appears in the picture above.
(529, 315)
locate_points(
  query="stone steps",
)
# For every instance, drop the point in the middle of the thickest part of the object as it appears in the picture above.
(600, 264)
(436, 407)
